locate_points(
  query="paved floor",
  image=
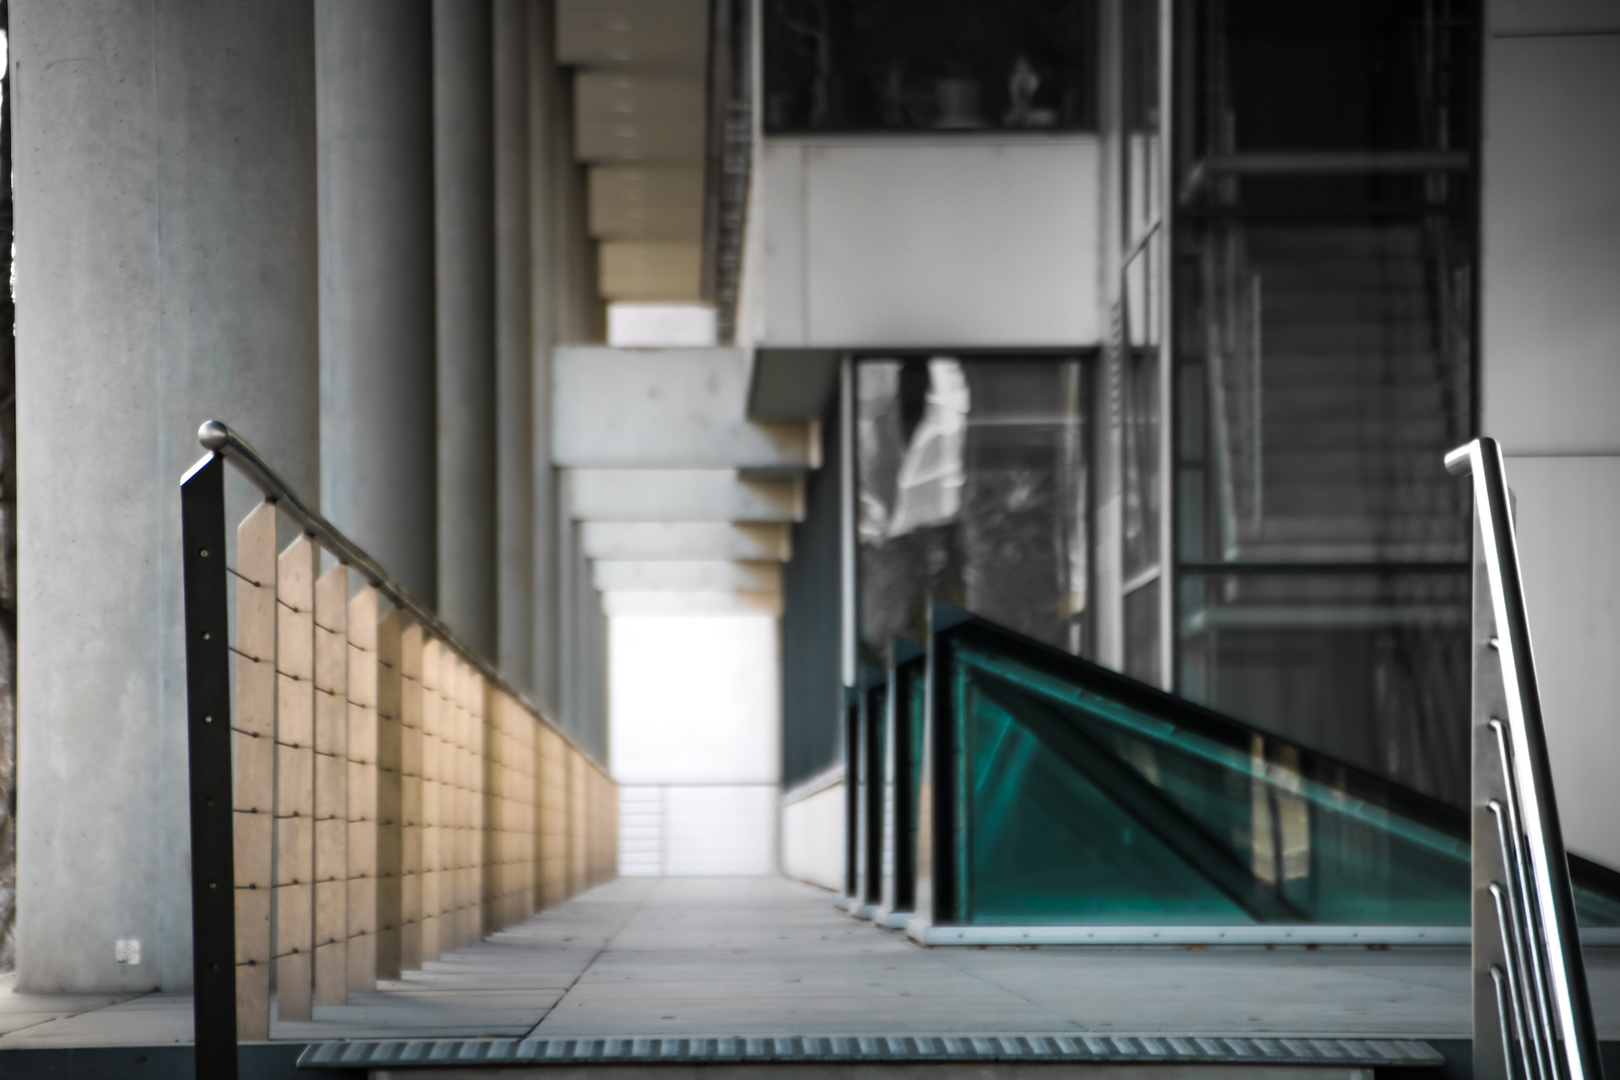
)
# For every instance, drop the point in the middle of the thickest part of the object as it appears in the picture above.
(743, 956)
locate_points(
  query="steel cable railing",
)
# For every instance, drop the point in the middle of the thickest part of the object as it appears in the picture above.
(1532, 1012)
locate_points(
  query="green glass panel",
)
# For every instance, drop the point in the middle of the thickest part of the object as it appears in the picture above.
(1045, 845)
(1594, 905)
(1079, 807)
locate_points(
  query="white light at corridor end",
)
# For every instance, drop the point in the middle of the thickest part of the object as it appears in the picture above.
(656, 326)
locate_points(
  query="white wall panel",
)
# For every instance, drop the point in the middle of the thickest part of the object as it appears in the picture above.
(813, 838)
(920, 241)
(1551, 356)
(1568, 519)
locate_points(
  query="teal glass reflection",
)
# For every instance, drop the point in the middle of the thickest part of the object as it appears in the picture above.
(1079, 808)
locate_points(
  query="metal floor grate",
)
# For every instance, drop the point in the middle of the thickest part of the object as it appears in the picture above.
(397, 1053)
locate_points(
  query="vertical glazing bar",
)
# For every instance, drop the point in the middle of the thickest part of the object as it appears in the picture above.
(390, 796)
(208, 731)
(852, 794)
(332, 786)
(295, 781)
(873, 703)
(362, 688)
(253, 733)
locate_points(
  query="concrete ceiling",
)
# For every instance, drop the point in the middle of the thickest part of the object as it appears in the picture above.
(639, 103)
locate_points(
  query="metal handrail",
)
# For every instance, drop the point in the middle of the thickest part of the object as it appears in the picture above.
(219, 439)
(1540, 964)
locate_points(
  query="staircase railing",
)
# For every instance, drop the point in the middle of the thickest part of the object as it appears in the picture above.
(366, 791)
(1532, 1012)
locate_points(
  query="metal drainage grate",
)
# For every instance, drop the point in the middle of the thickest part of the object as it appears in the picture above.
(397, 1053)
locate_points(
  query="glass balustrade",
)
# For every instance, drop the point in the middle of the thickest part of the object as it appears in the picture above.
(1080, 796)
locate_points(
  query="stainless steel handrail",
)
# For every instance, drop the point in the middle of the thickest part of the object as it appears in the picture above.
(219, 439)
(1556, 1007)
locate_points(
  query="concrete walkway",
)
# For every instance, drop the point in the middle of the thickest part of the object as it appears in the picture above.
(747, 956)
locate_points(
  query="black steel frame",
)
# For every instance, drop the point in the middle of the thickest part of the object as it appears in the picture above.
(208, 731)
(900, 884)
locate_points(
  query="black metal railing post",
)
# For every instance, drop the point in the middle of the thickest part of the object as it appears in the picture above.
(208, 730)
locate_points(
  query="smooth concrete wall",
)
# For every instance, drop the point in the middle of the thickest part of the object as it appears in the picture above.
(464, 233)
(514, 343)
(166, 273)
(813, 835)
(374, 84)
(928, 242)
(1550, 372)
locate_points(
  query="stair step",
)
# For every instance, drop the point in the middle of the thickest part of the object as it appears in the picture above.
(1331, 402)
(1415, 368)
(1345, 335)
(1338, 467)
(1298, 303)
(1351, 241)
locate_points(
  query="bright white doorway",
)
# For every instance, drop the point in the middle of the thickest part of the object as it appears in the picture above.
(695, 725)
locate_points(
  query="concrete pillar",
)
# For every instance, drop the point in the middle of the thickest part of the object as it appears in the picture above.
(548, 150)
(464, 186)
(379, 479)
(514, 418)
(166, 260)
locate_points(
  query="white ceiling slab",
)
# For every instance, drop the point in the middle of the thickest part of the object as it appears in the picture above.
(690, 603)
(682, 495)
(664, 35)
(609, 575)
(709, 541)
(669, 408)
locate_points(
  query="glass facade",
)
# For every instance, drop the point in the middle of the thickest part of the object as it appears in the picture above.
(973, 485)
(929, 65)
(1324, 260)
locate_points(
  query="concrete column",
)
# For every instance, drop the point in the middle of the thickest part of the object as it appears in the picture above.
(379, 478)
(464, 185)
(166, 260)
(514, 418)
(549, 149)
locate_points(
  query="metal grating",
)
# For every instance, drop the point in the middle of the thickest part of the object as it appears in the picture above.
(1169, 1049)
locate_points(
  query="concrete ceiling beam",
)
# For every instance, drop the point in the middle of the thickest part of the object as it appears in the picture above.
(706, 541)
(666, 408)
(620, 604)
(611, 575)
(682, 495)
(663, 35)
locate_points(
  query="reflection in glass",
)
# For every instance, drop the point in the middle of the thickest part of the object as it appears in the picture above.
(973, 486)
(936, 65)
(1325, 242)
(1088, 798)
